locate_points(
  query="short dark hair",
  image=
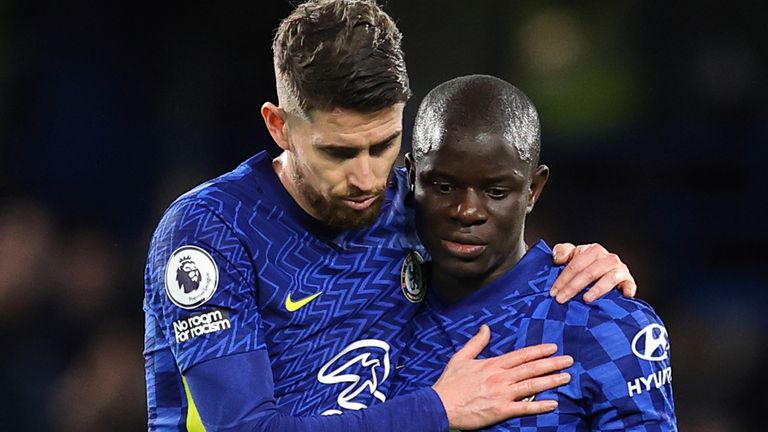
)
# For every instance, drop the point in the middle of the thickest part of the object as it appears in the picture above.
(477, 103)
(339, 54)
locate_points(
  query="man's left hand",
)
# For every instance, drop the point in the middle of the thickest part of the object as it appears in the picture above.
(587, 264)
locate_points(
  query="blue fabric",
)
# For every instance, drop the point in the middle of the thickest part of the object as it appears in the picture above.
(612, 387)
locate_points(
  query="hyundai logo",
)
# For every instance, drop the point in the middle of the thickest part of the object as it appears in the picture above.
(651, 343)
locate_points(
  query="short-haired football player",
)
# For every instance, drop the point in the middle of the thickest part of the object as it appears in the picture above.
(273, 293)
(476, 176)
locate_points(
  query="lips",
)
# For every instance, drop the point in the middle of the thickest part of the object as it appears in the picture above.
(468, 248)
(360, 203)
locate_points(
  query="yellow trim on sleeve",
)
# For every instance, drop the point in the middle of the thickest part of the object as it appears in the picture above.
(194, 424)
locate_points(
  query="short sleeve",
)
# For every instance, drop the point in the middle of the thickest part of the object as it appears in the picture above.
(201, 286)
(625, 370)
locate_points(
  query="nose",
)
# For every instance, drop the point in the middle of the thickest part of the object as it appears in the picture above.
(361, 175)
(469, 209)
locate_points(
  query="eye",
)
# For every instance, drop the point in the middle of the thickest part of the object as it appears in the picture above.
(497, 193)
(443, 187)
(379, 149)
(340, 153)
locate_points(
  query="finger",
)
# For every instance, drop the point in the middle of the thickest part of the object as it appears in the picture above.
(597, 270)
(562, 252)
(537, 385)
(519, 409)
(525, 355)
(583, 255)
(628, 287)
(475, 345)
(607, 282)
(538, 368)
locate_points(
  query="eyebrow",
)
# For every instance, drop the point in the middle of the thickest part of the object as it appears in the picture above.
(511, 175)
(386, 141)
(515, 174)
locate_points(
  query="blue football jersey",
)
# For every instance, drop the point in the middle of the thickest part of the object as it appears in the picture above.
(236, 265)
(621, 377)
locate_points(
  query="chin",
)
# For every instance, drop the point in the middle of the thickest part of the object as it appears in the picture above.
(342, 217)
(461, 269)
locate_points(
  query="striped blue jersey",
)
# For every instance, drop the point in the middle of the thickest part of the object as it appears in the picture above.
(236, 265)
(621, 377)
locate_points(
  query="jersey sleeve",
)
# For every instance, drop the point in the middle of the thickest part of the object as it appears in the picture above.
(624, 367)
(236, 394)
(201, 286)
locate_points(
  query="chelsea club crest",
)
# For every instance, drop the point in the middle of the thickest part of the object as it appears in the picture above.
(412, 278)
(191, 277)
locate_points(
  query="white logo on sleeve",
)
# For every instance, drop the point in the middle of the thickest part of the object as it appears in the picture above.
(364, 364)
(191, 277)
(651, 343)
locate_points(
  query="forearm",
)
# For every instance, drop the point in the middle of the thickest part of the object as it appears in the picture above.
(235, 393)
(418, 412)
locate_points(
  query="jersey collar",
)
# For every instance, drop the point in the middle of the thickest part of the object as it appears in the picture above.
(519, 281)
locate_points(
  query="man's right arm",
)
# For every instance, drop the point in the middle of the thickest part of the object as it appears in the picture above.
(227, 369)
(236, 393)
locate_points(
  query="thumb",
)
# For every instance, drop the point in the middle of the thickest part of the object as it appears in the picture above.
(475, 345)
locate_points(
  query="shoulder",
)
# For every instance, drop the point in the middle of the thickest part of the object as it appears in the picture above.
(244, 184)
(191, 215)
(612, 317)
(204, 218)
(626, 327)
(615, 339)
(614, 307)
(612, 321)
(220, 197)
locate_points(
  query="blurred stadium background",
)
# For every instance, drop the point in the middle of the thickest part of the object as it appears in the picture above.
(654, 125)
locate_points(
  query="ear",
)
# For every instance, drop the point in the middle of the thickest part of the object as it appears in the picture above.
(275, 120)
(411, 168)
(538, 180)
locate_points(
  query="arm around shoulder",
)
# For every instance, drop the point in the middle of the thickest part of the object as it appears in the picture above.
(236, 394)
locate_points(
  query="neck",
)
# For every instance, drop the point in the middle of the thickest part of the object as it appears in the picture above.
(453, 287)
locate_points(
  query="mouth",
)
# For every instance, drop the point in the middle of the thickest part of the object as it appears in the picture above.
(360, 203)
(467, 249)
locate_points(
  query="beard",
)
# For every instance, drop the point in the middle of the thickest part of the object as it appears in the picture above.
(333, 211)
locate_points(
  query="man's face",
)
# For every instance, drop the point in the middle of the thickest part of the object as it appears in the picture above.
(472, 194)
(342, 161)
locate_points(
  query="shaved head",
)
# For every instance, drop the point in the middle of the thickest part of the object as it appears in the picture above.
(475, 175)
(477, 104)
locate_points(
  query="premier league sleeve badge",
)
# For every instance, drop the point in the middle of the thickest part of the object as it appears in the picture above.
(191, 277)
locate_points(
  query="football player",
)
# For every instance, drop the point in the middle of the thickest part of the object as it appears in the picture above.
(476, 176)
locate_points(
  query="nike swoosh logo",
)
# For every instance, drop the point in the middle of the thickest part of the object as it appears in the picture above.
(293, 306)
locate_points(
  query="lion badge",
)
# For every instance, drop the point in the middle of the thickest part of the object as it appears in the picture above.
(191, 277)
